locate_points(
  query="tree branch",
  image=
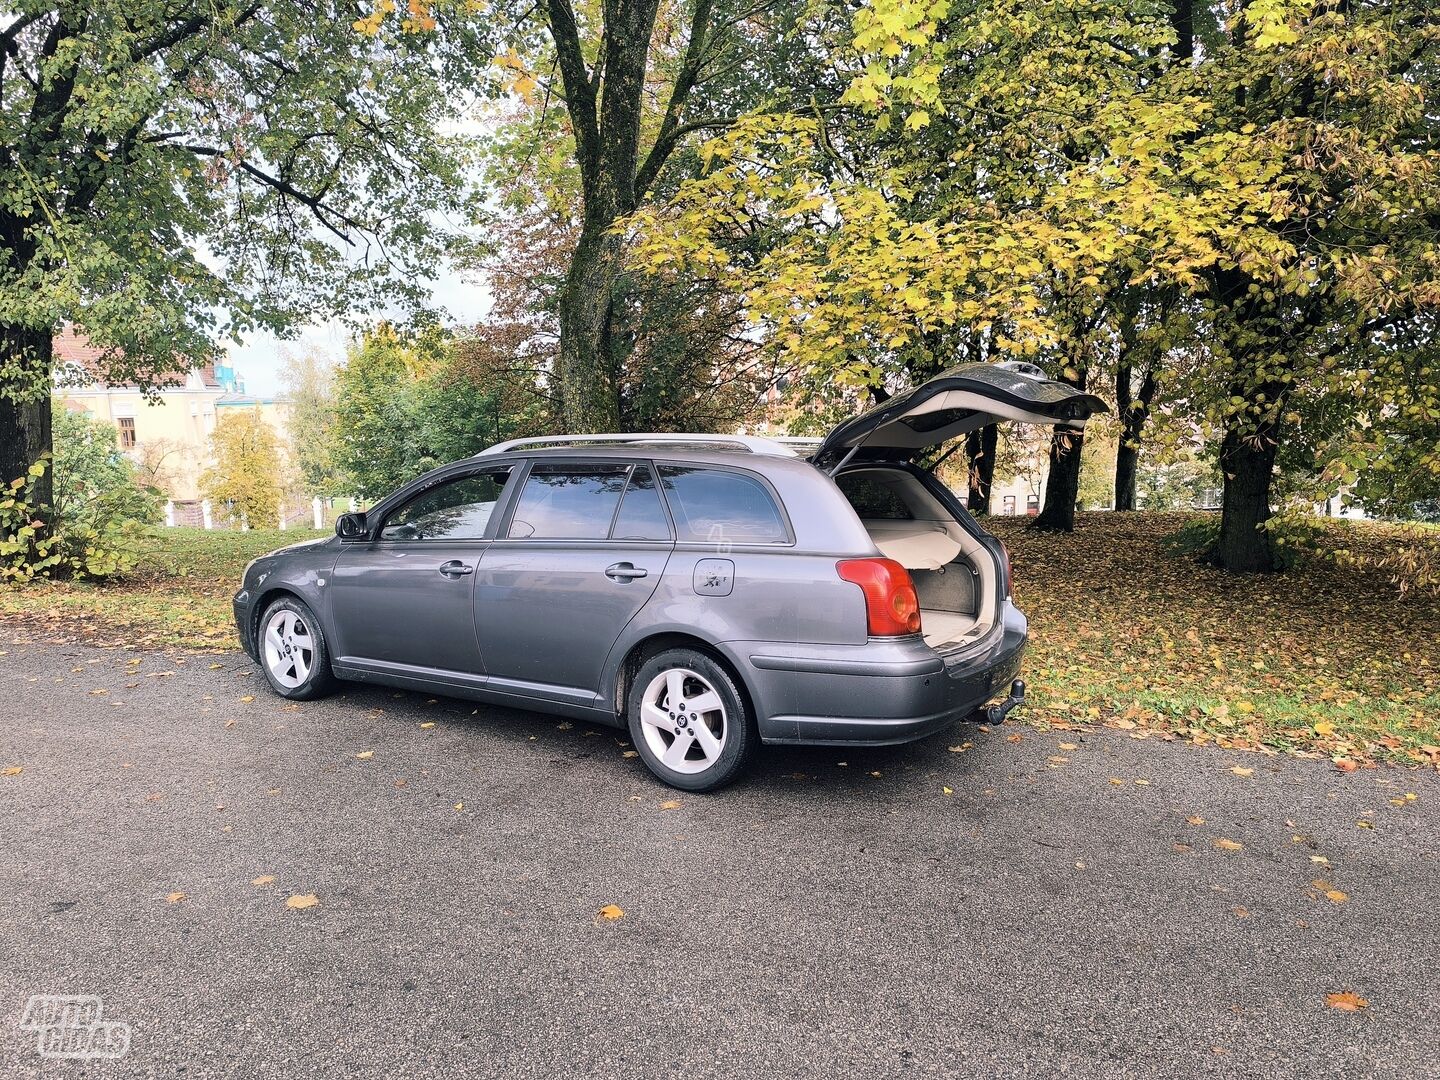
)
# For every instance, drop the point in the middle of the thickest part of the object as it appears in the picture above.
(670, 128)
(579, 90)
(316, 203)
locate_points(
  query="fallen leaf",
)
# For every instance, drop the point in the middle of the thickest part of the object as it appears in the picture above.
(248, 698)
(264, 879)
(304, 900)
(1241, 912)
(1195, 820)
(1117, 782)
(946, 791)
(1363, 825)
(1228, 845)
(459, 806)
(1183, 847)
(1069, 746)
(630, 754)
(1335, 896)
(1057, 759)
(365, 755)
(401, 783)
(1325, 727)
(1345, 765)
(670, 804)
(175, 898)
(1239, 771)
(1015, 738)
(1321, 859)
(427, 725)
(1143, 783)
(611, 912)
(12, 770)
(1346, 1001)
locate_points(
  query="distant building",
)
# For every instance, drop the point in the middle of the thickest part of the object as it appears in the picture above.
(167, 435)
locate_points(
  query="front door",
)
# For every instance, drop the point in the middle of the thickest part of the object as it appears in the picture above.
(402, 601)
(582, 552)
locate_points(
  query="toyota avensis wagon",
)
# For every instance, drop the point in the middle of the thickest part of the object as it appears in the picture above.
(707, 592)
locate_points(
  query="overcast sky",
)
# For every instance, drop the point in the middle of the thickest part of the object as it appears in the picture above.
(261, 358)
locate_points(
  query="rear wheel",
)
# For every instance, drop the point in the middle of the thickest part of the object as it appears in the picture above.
(293, 652)
(689, 720)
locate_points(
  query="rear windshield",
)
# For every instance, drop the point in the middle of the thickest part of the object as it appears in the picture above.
(872, 498)
(719, 506)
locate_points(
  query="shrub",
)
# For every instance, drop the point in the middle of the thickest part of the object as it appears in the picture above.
(92, 529)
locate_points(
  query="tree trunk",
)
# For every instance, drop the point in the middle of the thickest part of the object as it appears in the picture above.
(1062, 485)
(1133, 413)
(1127, 464)
(980, 449)
(25, 406)
(1247, 464)
(588, 387)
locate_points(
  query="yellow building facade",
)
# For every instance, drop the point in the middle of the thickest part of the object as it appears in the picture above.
(167, 435)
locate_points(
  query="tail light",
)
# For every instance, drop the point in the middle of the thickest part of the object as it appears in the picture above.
(891, 606)
(1005, 559)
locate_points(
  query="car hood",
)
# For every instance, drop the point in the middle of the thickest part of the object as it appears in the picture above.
(955, 402)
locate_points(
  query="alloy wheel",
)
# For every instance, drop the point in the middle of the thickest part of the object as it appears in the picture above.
(289, 648)
(683, 720)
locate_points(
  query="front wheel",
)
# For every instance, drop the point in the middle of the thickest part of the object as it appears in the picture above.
(293, 652)
(689, 721)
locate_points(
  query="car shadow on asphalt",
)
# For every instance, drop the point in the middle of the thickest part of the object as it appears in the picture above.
(952, 754)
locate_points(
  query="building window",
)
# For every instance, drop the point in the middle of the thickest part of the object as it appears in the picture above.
(127, 432)
(1009, 510)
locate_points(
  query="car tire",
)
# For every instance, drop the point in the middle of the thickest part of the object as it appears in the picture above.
(702, 746)
(293, 652)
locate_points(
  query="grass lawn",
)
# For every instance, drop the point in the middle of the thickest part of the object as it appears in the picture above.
(1125, 632)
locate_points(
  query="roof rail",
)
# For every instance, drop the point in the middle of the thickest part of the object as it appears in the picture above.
(754, 444)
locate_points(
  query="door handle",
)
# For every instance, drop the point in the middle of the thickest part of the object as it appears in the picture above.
(624, 571)
(455, 568)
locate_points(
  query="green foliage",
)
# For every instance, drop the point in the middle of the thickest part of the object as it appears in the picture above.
(247, 476)
(310, 422)
(99, 512)
(405, 407)
(170, 172)
(1196, 538)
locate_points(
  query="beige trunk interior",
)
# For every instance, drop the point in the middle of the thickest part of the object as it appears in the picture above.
(955, 575)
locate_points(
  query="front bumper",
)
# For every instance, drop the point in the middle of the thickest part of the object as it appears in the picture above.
(876, 695)
(244, 624)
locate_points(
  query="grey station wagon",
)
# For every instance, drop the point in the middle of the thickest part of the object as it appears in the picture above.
(707, 592)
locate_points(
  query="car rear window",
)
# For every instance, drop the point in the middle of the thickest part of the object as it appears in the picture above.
(568, 502)
(720, 506)
(641, 517)
(872, 498)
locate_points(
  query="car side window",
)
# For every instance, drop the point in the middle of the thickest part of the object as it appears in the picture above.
(568, 502)
(721, 506)
(458, 509)
(641, 517)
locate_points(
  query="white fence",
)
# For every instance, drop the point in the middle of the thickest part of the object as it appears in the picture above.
(317, 513)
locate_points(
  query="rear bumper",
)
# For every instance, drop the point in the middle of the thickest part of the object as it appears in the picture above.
(878, 694)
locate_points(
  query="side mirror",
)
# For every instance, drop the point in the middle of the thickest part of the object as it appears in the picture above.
(351, 527)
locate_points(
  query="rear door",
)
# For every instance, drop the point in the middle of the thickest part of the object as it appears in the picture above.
(954, 403)
(581, 553)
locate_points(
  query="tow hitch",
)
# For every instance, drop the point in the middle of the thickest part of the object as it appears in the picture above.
(996, 714)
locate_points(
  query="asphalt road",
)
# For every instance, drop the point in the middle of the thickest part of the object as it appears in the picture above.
(836, 915)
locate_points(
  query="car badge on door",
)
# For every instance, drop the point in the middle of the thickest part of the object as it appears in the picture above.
(714, 577)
